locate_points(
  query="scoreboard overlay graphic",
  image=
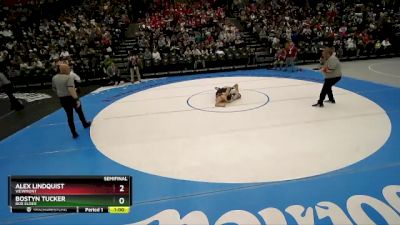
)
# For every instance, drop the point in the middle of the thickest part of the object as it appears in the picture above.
(69, 194)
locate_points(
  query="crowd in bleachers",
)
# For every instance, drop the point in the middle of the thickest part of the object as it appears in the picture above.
(192, 34)
(354, 28)
(187, 34)
(81, 35)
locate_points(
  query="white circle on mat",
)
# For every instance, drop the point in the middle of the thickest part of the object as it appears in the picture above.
(155, 131)
(205, 101)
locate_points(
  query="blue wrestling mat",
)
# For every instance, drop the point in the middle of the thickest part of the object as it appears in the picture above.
(363, 192)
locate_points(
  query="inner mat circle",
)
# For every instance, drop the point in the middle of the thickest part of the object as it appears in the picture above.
(205, 101)
(157, 132)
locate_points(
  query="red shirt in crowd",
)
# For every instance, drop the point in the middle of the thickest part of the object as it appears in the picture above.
(291, 51)
(365, 38)
(210, 39)
(281, 55)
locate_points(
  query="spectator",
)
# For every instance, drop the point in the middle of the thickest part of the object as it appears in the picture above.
(219, 52)
(156, 55)
(386, 45)
(198, 58)
(133, 64)
(147, 54)
(64, 54)
(187, 53)
(280, 58)
(350, 46)
(114, 74)
(378, 46)
(291, 54)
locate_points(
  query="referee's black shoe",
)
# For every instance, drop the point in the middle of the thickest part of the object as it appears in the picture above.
(87, 124)
(318, 104)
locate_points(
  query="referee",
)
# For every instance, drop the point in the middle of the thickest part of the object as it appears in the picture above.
(332, 73)
(63, 85)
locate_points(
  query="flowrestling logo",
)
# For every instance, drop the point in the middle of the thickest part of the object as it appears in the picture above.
(388, 208)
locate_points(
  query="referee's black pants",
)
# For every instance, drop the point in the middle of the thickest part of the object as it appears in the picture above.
(327, 89)
(69, 104)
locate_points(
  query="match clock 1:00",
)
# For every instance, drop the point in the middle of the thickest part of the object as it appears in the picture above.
(118, 209)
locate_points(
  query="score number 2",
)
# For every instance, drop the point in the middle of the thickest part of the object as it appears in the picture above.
(121, 200)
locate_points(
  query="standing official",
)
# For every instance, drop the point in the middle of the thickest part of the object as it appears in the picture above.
(332, 73)
(63, 85)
